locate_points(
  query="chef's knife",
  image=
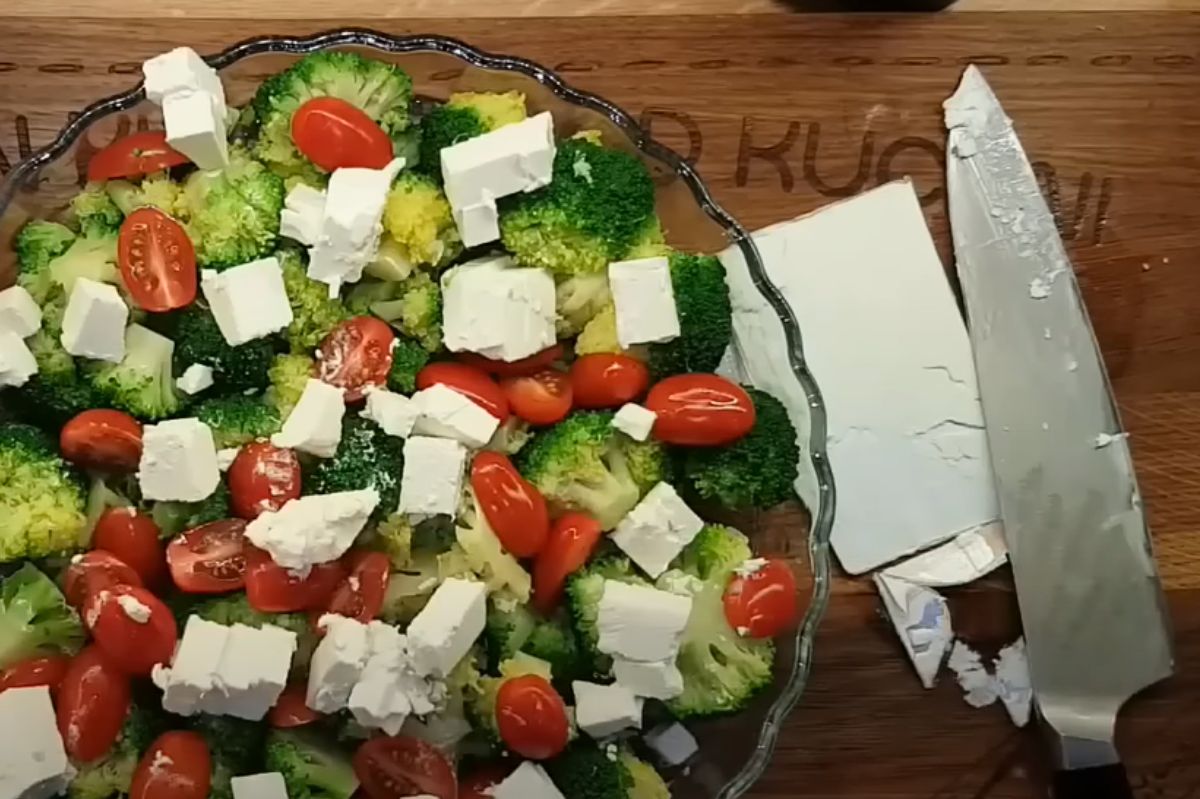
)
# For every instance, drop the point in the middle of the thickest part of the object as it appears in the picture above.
(1093, 612)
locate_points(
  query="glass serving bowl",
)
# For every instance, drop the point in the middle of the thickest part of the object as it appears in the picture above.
(734, 750)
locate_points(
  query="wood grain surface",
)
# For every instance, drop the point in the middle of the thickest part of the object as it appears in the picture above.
(785, 113)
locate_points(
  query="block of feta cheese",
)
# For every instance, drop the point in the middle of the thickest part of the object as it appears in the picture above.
(351, 223)
(433, 473)
(390, 690)
(17, 363)
(337, 663)
(195, 123)
(394, 413)
(445, 413)
(635, 421)
(659, 679)
(18, 312)
(528, 781)
(315, 424)
(192, 673)
(248, 301)
(313, 529)
(195, 379)
(252, 671)
(447, 626)
(179, 461)
(303, 210)
(226, 457)
(641, 623)
(478, 224)
(602, 710)
(671, 743)
(514, 158)
(93, 325)
(177, 71)
(269, 785)
(644, 300)
(33, 760)
(657, 529)
(499, 310)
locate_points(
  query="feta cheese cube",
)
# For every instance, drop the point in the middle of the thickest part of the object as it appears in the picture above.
(494, 308)
(393, 412)
(259, 786)
(447, 626)
(252, 671)
(248, 301)
(445, 413)
(93, 325)
(226, 457)
(195, 379)
(303, 210)
(433, 474)
(514, 158)
(337, 663)
(602, 710)
(315, 424)
(657, 529)
(658, 679)
(179, 461)
(17, 363)
(641, 623)
(379, 700)
(478, 223)
(179, 71)
(645, 301)
(18, 312)
(634, 421)
(192, 674)
(313, 529)
(195, 123)
(33, 760)
(528, 781)
(671, 743)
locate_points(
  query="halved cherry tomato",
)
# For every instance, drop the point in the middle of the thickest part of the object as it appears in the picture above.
(531, 717)
(357, 355)
(177, 765)
(540, 399)
(514, 508)
(572, 540)
(291, 709)
(764, 604)
(360, 595)
(480, 782)
(607, 380)
(134, 538)
(93, 571)
(334, 134)
(93, 701)
(400, 765)
(211, 558)
(48, 671)
(525, 366)
(135, 155)
(132, 626)
(700, 410)
(157, 260)
(102, 439)
(273, 589)
(472, 383)
(263, 477)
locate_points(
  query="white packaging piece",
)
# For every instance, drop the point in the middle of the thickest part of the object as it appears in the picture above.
(93, 324)
(433, 473)
(248, 301)
(921, 617)
(635, 421)
(964, 558)
(499, 310)
(179, 461)
(312, 529)
(17, 363)
(19, 312)
(644, 300)
(315, 424)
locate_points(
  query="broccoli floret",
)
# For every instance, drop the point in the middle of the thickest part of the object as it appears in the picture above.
(481, 553)
(366, 457)
(408, 358)
(93, 256)
(600, 335)
(289, 374)
(584, 591)
(174, 517)
(705, 326)
(94, 211)
(236, 609)
(314, 312)
(552, 640)
(198, 339)
(312, 768)
(645, 781)
(413, 306)
(41, 498)
(756, 471)
(578, 299)
(464, 116)
(237, 419)
(481, 696)
(156, 190)
(35, 616)
(594, 210)
(38, 243)
(496, 109)
(380, 89)
(650, 241)
(409, 588)
(112, 775)
(418, 222)
(585, 771)
(510, 436)
(394, 537)
(235, 746)
(232, 214)
(142, 383)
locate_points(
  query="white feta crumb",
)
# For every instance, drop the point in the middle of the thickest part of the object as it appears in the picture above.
(604, 710)
(1104, 439)
(1013, 683)
(19, 312)
(634, 421)
(195, 379)
(447, 626)
(654, 680)
(303, 210)
(641, 623)
(750, 567)
(226, 457)
(259, 786)
(33, 760)
(17, 362)
(495, 308)
(134, 609)
(528, 781)
(978, 687)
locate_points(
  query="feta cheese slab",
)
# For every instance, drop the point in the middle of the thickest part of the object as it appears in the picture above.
(514, 158)
(303, 210)
(447, 626)
(191, 677)
(497, 309)
(635, 421)
(312, 529)
(17, 363)
(195, 379)
(179, 461)
(248, 301)
(528, 781)
(671, 743)
(226, 457)
(644, 300)
(33, 760)
(478, 223)
(93, 325)
(19, 312)
(659, 679)
(252, 671)
(195, 123)
(443, 412)
(604, 710)
(315, 424)
(641, 623)
(337, 663)
(180, 71)
(657, 529)
(433, 475)
(394, 413)
(269, 785)
(921, 617)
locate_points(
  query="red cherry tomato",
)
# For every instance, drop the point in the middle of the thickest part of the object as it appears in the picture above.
(572, 540)
(400, 765)
(764, 604)
(480, 782)
(263, 477)
(157, 260)
(540, 399)
(357, 355)
(525, 366)
(472, 383)
(334, 134)
(291, 709)
(604, 380)
(48, 671)
(176, 766)
(93, 701)
(102, 439)
(531, 717)
(134, 155)
(134, 538)
(93, 571)
(209, 559)
(273, 589)
(700, 410)
(514, 508)
(132, 626)
(360, 595)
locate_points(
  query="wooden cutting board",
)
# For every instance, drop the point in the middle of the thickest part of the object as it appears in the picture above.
(785, 113)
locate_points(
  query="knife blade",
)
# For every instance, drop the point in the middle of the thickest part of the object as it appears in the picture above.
(1094, 615)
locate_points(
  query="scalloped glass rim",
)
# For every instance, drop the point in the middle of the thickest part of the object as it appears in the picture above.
(822, 521)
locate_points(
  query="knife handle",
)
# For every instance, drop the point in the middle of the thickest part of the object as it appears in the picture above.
(1101, 782)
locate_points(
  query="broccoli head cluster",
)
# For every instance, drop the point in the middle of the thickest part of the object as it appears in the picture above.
(413, 306)
(237, 419)
(705, 318)
(418, 223)
(288, 375)
(112, 775)
(408, 358)
(518, 629)
(41, 497)
(312, 767)
(37, 244)
(232, 214)
(94, 212)
(143, 383)
(366, 457)
(464, 115)
(198, 340)
(314, 312)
